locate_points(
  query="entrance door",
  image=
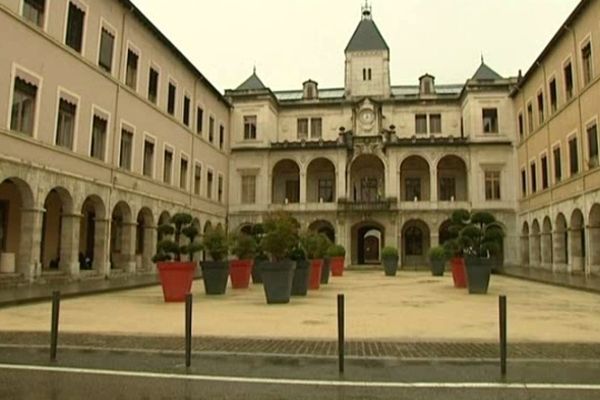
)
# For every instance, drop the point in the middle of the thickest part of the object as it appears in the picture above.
(371, 244)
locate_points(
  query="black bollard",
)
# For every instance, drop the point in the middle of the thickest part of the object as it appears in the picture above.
(54, 325)
(503, 338)
(340, 308)
(188, 330)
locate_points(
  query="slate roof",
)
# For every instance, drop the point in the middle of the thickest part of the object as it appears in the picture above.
(366, 37)
(252, 83)
(485, 73)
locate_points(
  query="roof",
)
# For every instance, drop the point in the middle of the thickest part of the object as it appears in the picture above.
(366, 37)
(252, 83)
(485, 73)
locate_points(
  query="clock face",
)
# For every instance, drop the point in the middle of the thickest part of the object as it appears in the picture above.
(367, 116)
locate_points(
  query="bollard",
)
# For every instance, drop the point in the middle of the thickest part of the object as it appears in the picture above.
(188, 330)
(54, 324)
(503, 338)
(340, 308)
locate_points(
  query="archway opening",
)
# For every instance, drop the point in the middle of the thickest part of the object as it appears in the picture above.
(577, 241)
(367, 179)
(92, 233)
(368, 238)
(286, 182)
(15, 196)
(55, 247)
(415, 179)
(415, 244)
(324, 227)
(536, 245)
(452, 179)
(320, 179)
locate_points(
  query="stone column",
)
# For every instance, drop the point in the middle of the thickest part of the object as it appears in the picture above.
(150, 239)
(69, 246)
(269, 191)
(547, 250)
(128, 247)
(28, 256)
(101, 262)
(524, 250)
(534, 252)
(576, 251)
(303, 187)
(594, 248)
(434, 185)
(560, 261)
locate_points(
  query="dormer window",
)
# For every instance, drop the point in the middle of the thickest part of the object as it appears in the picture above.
(427, 84)
(367, 74)
(310, 90)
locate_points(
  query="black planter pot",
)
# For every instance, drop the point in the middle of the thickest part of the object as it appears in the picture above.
(437, 267)
(256, 276)
(277, 280)
(301, 278)
(325, 271)
(215, 275)
(390, 265)
(478, 274)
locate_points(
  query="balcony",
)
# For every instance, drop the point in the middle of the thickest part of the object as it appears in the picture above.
(388, 204)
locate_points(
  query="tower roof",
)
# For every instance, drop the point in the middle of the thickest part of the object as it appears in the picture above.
(366, 37)
(252, 83)
(485, 73)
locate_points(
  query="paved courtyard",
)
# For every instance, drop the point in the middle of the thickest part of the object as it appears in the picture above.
(411, 307)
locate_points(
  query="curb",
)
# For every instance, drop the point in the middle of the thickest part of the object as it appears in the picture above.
(547, 282)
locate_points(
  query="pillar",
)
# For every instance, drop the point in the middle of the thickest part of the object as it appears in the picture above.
(28, 261)
(524, 250)
(69, 246)
(101, 247)
(434, 185)
(560, 261)
(303, 187)
(547, 250)
(576, 251)
(128, 247)
(150, 238)
(534, 251)
(594, 249)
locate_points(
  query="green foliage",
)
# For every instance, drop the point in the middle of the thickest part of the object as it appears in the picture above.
(438, 253)
(389, 252)
(244, 246)
(479, 234)
(298, 254)
(281, 235)
(169, 248)
(315, 244)
(215, 243)
(336, 250)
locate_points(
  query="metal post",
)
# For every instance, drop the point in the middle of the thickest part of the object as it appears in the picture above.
(54, 324)
(188, 330)
(503, 338)
(340, 309)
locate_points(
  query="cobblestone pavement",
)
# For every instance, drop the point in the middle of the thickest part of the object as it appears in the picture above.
(315, 348)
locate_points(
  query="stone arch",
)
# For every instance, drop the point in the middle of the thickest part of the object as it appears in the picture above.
(325, 227)
(452, 181)
(368, 238)
(547, 251)
(286, 182)
(561, 243)
(145, 239)
(320, 181)
(415, 179)
(594, 234)
(577, 241)
(525, 244)
(58, 247)
(245, 228)
(122, 238)
(536, 244)
(367, 179)
(416, 241)
(93, 235)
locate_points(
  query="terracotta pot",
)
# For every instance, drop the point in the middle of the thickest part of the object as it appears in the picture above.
(239, 271)
(458, 272)
(176, 279)
(337, 266)
(316, 268)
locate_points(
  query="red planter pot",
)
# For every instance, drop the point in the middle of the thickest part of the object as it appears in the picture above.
(459, 274)
(337, 265)
(316, 267)
(240, 271)
(176, 279)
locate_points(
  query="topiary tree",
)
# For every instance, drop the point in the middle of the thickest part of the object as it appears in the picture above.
(244, 246)
(482, 235)
(215, 243)
(336, 250)
(458, 220)
(281, 235)
(315, 244)
(179, 225)
(389, 252)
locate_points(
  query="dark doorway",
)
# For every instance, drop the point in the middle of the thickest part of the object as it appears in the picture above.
(370, 242)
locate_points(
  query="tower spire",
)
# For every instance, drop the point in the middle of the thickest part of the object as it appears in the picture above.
(366, 10)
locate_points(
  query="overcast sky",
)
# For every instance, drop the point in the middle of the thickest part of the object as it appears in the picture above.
(291, 41)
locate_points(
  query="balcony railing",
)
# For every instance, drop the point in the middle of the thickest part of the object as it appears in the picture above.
(368, 205)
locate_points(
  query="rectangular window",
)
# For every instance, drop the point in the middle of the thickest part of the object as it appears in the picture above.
(197, 179)
(220, 189)
(302, 128)
(540, 101)
(557, 165)
(492, 185)
(186, 110)
(22, 115)
(153, 85)
(183, 173)
(326, 190)
(248, 189)
(75, 22)
(573, 157)
(586, 60)
(132, 69)
(126, 151)
(148, 168)
(412, 189)
(34, 10)
(65, 126)
(490, 120)
(211, 129)
(292, 191)
(199, 120)
(316, 128)
(545, 180)
(99, 129)
(592, 137)
(107, 45)
(221, 136)
(530, 117)
(209, 184)
(568, 72)
(524, 182)
(435, 123)
(533, 177)
(167, 166)
(171, 99)
(447, 189)
(421, 123)
(553, 96)
(249, 127)
(521, 127)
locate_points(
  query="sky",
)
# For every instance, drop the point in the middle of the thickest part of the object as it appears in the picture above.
(290, 41)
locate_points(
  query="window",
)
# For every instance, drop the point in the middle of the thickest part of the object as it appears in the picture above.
(211, 129)
(367, 74)
(171, 99)
(521, 127)
(126, 150)
(65, 126)
(131, 69)
(199, 120)
(557, 164)
(553, 96)
(540, 101)
(209, 184)
(573, 157)
(592, 137)
(197, 179)
(447, 189)
(586, 60)
(413, 241)
(22, 116)
(421, 123)
(412, 189)
(220, 189)
(167, 166)
(490, 120)
(302, 128)
(492, 185)
(249, 127)
(248, 189)
(524, 182)
(316, 128)
(435, 123)
(75, 25)
(153, 85)
(568, 72)
(221, 136)
(186, 110)
(533, 177)
(292, 191)
(530, 117)
(99, 128)
(148, 168)
(545, 181)
(107, 45)
(183, 173)
(33, 11)
(326, 190)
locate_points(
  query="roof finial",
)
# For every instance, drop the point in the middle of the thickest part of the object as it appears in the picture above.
(254, 69)
(482, 58)
(366, 10)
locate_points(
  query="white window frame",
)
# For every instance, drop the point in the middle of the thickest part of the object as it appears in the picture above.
(167, 146)
(527, 180)
(198, 163)
(131, 128)
(570, 136)
(204, 124)
(97, 110)
(184, 156)
(130, 46)
(157, 68)
(568, 60)
(541, 170)
(591, 121)
(549, 100)
(586, 39)
(104, 24)
(44, 26)
(190, 124)
(222, 177)
(554, 146)
(211, 115)
(66, 93)
(533, 161)
(150, 138)
(212, 191)
(541, 121)
(499, 168)
(18, 71)
(175, 83)
(84, 6)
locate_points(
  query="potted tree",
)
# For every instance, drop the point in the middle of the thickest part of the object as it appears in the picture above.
(176, 275)
(458, 220)
(438, 256)
(216, 271)
(280, 238)
(301, 273)
(258, 232)
(389, 258)
(481, 241)
(337, 256)
(244, 248)
(315, 245)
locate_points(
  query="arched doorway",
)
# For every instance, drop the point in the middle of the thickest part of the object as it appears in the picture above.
(547, 251)
(367, 179)
(145, 243)
(93, 234)
(577, 241)
(415, 179)
(594, 228)
(561, 242)
(415, 244)
(286, 182)
(452, 179)
(368, 238)
(324, 227)
(57, 251)
(535, 242)
(320, 181)
(245, 229)
(525, 244)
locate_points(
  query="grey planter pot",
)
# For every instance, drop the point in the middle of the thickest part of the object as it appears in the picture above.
(277, 280)
(478, 274)
(301, 278)
(437, 267)
(390, 265)
(256, 276)
(325, 271)
(215, 275)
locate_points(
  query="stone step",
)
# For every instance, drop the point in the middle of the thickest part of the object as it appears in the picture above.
(11, 280)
